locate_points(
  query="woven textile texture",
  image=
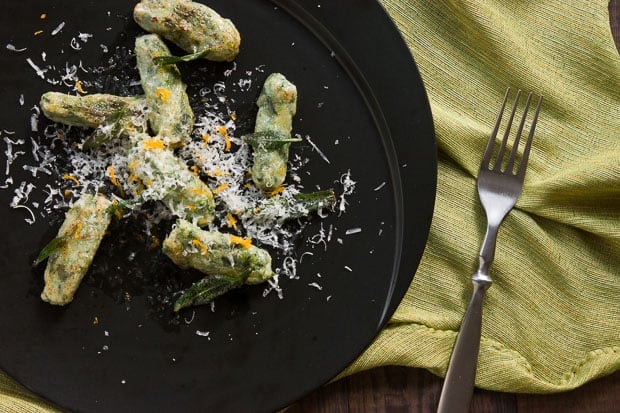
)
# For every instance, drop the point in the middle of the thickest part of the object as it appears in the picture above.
(551, 317)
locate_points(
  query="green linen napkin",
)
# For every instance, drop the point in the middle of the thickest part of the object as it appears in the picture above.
(551, 318)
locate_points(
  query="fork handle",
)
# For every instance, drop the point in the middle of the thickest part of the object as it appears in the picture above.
(458, 386)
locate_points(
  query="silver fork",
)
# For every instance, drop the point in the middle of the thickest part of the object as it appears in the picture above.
(498, 188)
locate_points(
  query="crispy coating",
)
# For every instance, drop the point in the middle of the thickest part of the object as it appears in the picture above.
(170, 113)
(277, 105)
(168, 179)
(216, 253)
(192, 26)
(96, 110)
(80, 235)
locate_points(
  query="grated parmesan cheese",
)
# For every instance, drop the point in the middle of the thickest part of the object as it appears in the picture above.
(222, 160)
(58, 29)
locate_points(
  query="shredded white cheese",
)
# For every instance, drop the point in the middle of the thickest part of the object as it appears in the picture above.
(58, 29)
(12, 48)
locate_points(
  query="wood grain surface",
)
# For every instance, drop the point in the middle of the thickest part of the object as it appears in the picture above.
(403, 389)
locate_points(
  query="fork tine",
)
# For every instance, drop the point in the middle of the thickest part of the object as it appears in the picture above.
(528, 144)
(515, 145)
(491, 143)
(502, 147)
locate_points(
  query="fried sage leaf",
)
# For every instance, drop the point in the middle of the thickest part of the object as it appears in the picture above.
(190, 25)
(268, 140)
(170, 60)
(208, 289)
(285, 207)
(51, 246)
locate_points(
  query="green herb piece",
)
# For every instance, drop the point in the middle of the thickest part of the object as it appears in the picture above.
(268, 140)
(208, 289)
(106, 132)
(52, 246)
(284, 208)
(171, 60)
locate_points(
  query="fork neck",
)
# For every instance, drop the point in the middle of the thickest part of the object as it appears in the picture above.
(487, 252)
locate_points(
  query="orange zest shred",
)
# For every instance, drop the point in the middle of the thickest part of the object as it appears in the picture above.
(220, 188)
(231, 220)
(205, 138)
(224, 133)
(114, 180)
(194, 169)
(200, 191)
(133, 164)
(153, 143)
(244, 243)
(72, 178)
(78, 229)
(276, 191)
(201, 245)
(233, 115)
(79, 87)
(67, 193)
(43, 16)
(95, 320)
(163, 94)
(117, 211)
(112, 175)
(38, 32)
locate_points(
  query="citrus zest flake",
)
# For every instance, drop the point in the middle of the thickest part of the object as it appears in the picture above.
(78, 229)
(276, 191)
(200, 192)
(201, 245)
(224, 133)
(43, 16)
(220, 188)
(153, 143)
(79, 87)
(112, 175)
(163, 94)
(38, 32)
(114, 180)
(72, 178)
(133, 164)
(231, 220)
(244, 243)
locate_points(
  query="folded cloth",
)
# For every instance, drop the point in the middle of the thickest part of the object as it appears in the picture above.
(551, 318)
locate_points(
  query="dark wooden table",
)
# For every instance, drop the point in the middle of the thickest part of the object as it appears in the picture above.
(403, 389)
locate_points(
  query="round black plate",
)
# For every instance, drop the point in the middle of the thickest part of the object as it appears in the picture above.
(363, 103)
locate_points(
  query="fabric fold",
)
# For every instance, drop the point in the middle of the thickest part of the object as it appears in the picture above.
(551, 319)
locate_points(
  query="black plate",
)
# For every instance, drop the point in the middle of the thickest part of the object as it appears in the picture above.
(363, 103)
